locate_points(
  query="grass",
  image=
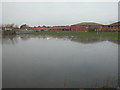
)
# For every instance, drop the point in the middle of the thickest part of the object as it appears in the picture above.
(107, 35)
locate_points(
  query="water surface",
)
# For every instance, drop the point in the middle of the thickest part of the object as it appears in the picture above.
(31, 61)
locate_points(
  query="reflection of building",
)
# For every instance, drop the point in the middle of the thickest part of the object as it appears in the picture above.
(7, 39)
(78, 40)
(87, 40)
(88, 26)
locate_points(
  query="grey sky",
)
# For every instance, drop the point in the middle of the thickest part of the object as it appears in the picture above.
(59, 13)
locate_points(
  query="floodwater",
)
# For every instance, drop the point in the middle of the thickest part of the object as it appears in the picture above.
(31, 61)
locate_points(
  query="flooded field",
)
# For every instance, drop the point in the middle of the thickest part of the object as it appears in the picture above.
(40, 61)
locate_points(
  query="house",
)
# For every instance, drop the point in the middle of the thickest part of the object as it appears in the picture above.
(8, 30)
(60, 28)
(39, 29)
(102, 28)
(24, 30)
(114, 26)
(31, 29)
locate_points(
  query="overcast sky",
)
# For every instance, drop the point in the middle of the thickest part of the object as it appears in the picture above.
(59, 13)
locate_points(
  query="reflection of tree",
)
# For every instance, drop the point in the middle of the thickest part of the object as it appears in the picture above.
(24, 38)
(107, 82)
(7, 39)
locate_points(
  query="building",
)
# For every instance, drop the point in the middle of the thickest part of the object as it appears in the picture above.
(102, 28)
(82, 27)
(31, 29)
(112, 27)
(39, 29)
(60, 28)
(8, 30)
(22, 30)
(85, 27)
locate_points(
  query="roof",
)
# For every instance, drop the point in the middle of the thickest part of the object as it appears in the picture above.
(20, 29)
(41, 28)
(8, 27)
(32, 29)
(116, 23)
(88, 23)
(60, 27)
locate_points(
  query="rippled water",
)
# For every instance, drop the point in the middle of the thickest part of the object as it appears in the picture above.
(56, 62)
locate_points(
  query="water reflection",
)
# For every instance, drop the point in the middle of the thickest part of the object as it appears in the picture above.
(31, 61)
(14, 39)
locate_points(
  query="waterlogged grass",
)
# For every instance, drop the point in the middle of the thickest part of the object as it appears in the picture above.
(107, 35)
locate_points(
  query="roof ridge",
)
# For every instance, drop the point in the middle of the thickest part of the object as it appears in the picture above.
(84, 23)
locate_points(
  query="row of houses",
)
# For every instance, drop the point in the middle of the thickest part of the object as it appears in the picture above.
(95, 27)
(11, 30)
(26, 30)
(8, 30)
(82, 27)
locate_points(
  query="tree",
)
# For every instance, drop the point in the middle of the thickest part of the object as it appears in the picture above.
(43, 26)
(24, 26)
(38, 26)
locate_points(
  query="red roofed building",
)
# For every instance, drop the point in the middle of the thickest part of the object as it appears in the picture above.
(8, 30)
(31, 29)
(112, 27)
(38, 29)
(84, 27)
(60, 28)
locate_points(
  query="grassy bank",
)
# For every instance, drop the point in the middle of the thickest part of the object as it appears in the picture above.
(107, 35)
